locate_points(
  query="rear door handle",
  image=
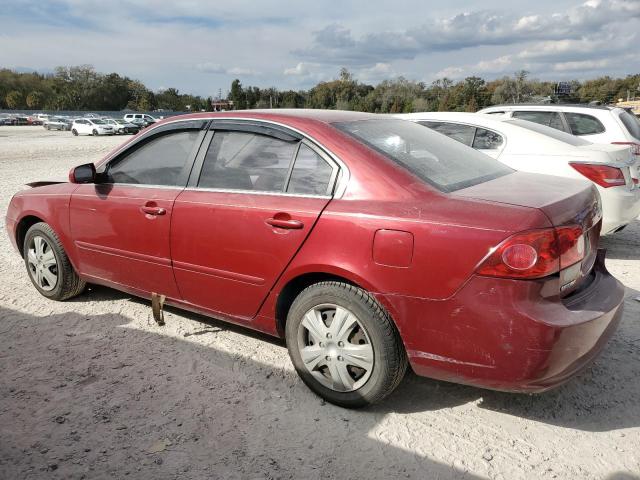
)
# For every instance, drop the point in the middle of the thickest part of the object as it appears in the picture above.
(288, 224)
(153, 210)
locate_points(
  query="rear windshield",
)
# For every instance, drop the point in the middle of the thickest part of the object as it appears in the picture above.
(631, 123)
(550, 132)
(440, 161)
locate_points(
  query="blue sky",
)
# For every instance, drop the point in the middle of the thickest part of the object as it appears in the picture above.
(201, 46)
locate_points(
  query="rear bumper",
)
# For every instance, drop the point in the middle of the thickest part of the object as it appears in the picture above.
(504, 335)
(619, 207)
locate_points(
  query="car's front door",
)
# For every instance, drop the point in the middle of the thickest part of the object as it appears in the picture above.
(252, 200)
(121, 225)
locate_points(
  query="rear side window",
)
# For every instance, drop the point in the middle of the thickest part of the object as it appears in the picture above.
(549, 119)
(582, 124)
(161, 161)
(550, 132)
(476, 137)
(437, 160)
(631, 123)
(311, 174)
(462, 133)
(246, 161)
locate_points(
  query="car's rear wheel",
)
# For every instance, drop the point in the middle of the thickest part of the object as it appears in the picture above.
(75, 132)
(48, 266)
(344, 345)
(95, 133)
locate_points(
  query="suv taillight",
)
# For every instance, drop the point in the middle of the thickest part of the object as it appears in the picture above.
(535, 253)
(602, 175)
(635, 147)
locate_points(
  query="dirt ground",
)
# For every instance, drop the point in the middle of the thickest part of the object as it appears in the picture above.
(92, 388)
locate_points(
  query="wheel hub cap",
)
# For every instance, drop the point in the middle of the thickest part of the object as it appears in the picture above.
(42, 263)
(335, 348)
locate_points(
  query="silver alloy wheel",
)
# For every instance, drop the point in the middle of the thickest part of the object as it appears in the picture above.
(43, 266)
(335, 348)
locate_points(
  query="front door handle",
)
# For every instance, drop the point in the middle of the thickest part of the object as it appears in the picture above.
(288, 224)
(153, 210)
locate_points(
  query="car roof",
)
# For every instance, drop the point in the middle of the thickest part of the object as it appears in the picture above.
(505, 126)
(550, 106)
(325, 116)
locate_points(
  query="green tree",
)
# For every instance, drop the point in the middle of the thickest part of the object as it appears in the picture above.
(237, 96)
(14, 99)
(35, 99)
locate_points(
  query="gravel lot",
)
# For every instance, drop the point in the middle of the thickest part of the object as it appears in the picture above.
(92, 388)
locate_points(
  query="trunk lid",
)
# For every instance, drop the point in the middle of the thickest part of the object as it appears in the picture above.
(564, 201)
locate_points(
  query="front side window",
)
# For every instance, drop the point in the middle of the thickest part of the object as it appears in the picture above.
(311, 174)
(163, 160)
(582, 124)
(246, 161)
(437, 160)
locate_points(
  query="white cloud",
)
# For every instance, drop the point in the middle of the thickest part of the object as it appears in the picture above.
(299, 70)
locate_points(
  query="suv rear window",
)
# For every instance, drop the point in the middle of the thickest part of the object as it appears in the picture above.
(442, 162)
(631, 123)
(582, 124)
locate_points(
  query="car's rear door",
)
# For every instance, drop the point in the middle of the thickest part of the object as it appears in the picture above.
(252, 200)
(121, 225)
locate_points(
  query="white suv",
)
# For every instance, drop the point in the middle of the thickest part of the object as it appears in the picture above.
(139, 119)
(91, 126)
(598, 124)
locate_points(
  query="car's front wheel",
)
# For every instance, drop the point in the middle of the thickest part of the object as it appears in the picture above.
(344, 345)
(95, 133)
(48, 266)
(75, 132)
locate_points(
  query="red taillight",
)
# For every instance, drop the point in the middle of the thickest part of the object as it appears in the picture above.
(635, 147)
(602, 175)
(535, 254)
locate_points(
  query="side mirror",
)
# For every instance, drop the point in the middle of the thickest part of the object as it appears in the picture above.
(83, 174)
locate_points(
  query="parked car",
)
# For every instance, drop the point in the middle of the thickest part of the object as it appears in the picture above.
(91, 126)
(7, 121)
(141, 119)
(595, 123)
(58, 123)
(365, 241)
(531, 147)
(122, 127)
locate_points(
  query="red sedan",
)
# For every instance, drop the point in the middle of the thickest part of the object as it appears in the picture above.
(369, 243)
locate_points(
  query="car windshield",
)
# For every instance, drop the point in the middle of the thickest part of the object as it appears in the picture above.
(550, 132)
(98, 122)
(120, 121)
(436, 159)
(631, 123)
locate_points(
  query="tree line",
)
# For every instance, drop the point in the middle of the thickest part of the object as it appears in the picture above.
(82, 88)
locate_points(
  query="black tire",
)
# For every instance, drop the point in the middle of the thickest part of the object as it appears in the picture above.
(95, 133)
(390, 360)
(75, 132)
(68, 283)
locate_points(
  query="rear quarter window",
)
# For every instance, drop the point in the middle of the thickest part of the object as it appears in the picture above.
(582, 124)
